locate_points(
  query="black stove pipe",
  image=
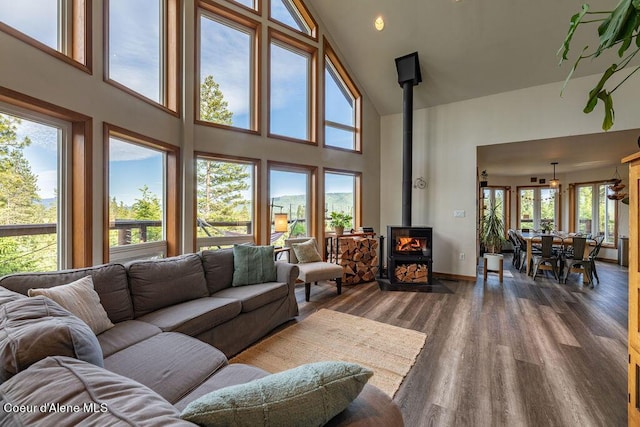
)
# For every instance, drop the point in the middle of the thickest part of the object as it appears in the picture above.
(407, 151)
(408, 68)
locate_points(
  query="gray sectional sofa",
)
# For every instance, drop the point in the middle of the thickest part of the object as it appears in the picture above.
(176, 321)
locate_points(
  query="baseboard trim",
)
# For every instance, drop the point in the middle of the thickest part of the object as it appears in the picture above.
(448, 276)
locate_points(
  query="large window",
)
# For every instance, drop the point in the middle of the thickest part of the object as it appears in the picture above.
(342, 105)
(59, 28)
(538, 206)
(342, 194)
(228, 72)
(225, 201)
(293, 14)
(291, 89)
(291, 192)
(594, 212)
(142, 48)
(34, 193)
(142, 202)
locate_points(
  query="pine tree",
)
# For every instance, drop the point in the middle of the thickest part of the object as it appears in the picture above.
(213, 107)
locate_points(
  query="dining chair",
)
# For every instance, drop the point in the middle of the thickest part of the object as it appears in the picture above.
(575, 262)
(592, 258)
(517, 252)
(547, 259)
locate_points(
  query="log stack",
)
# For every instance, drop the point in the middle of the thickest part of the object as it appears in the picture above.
(412, 273)
(358, 257)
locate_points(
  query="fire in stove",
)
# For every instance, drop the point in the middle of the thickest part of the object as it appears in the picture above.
(410, 244)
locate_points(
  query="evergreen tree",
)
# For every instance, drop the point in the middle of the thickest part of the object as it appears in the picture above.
(213, 107)
(148, 207)
(19, 201)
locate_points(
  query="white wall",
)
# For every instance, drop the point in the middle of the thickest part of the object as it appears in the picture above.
(445, 141)
(34, 73)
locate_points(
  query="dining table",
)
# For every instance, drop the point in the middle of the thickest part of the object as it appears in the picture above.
(558, 239)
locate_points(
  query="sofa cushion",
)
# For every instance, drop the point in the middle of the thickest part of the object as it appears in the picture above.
(103, 398)
(33, 328)
(169, 363)
(7, 296)
(256, 296)
(314, 271)
(233, 374)
(193, 317)
(306, 251)
(218, 269)
(125, 334)
(309, 395)
(253, 264)
(109, 281)
(160, 283)
(82, 300)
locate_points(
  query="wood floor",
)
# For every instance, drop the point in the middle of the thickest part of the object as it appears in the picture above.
(520, 353)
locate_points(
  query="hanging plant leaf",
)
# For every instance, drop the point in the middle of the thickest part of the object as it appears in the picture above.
(631, 25)
(595, 92)
(611, 29)
(573, 25)
(609, 114)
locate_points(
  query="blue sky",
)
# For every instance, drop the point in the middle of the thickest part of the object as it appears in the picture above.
(133, 61)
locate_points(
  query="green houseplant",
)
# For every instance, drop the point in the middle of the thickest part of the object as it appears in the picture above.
(617, 29)
(492, 236)
(340, 220)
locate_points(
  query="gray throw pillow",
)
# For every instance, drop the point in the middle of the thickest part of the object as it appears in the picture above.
(307, 251)
(309, 395)
(253, 264)
(32, 329)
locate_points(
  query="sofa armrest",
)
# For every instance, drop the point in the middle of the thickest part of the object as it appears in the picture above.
(288, 273)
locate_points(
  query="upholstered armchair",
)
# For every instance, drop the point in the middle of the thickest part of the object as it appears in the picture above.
(304, 253)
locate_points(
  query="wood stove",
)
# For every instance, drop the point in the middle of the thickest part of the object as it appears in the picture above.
(409, 255)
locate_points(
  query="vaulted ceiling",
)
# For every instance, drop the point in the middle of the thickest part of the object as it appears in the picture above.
(469, 49)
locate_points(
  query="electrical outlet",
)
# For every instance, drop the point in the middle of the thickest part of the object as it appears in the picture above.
(461, 256)
(459, 213)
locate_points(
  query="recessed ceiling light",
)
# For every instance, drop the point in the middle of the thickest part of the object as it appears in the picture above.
(379, 23)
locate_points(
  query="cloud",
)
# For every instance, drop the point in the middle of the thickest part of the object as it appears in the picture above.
(47, 184)
(120, 151)
(36, 18)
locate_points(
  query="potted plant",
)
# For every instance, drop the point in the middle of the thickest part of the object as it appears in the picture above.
(340, 220)
(492, 237)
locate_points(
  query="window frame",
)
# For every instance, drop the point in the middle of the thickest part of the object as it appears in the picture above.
(76, 36)
(357, 196)
(331, 58)
(296, 46)
(537, 205)
(170, 73)
(595, 199)
(81, 154)
(256, 164)
(172, 189)
(506, 208)
(306, 16)
(252, 26)
(312, 189)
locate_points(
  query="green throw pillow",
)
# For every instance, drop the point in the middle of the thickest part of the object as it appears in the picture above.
(309, 395)
(253, 264)
(307, 251)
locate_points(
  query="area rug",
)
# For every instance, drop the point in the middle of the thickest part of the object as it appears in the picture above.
(389, 351)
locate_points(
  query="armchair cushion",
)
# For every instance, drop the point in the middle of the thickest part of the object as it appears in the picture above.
(307, 251)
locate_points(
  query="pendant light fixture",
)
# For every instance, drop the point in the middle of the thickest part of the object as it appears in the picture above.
(555, 182)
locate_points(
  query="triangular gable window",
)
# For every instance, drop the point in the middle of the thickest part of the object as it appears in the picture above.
(293, 13)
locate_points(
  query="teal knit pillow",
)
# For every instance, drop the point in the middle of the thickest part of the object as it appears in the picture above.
(309, 395)
(253, 264)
